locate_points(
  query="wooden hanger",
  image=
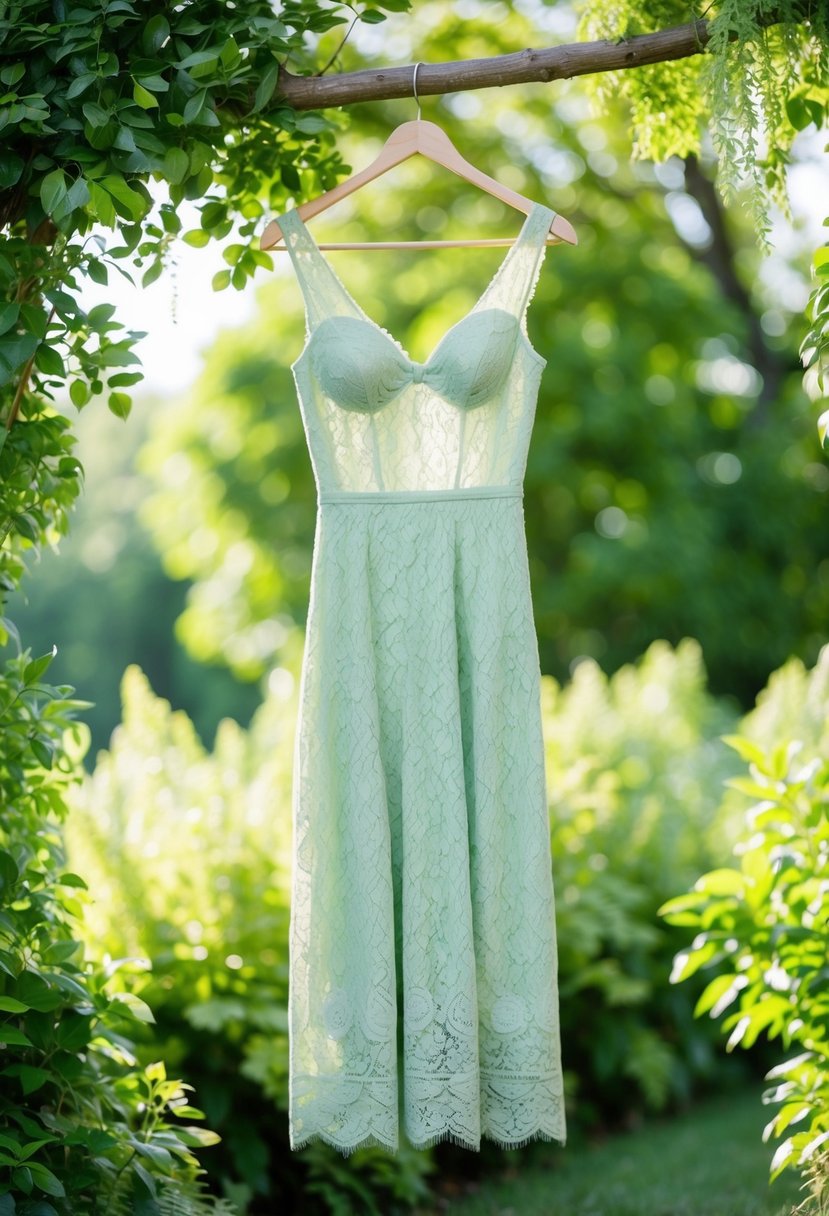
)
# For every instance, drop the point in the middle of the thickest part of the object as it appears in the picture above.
(431, 141)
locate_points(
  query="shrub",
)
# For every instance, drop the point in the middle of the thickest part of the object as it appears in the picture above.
(767, 919)
(634, 768)
(189, 853)
(84, 1130)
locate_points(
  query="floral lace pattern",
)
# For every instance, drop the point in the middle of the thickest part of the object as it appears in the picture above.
(423, 959)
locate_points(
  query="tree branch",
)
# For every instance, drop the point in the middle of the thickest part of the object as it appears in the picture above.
(521, 67)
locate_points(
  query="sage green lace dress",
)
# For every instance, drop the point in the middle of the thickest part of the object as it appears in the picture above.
(423, 960)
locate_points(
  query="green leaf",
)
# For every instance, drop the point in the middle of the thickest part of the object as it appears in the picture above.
(143, 97)
(221, 280)
(310, 124)
(49, 361)
(9, 872)
(8, 1004)
(117, 354)
(53, 190)
(42, 753)
(152, 273)
(123, 379)
(15, 350)
(812, 1143)
(13, 73)
(747, 750)
(759, 1017)
(79, 392)
(195, 105)
(197, 59)
(722, 881)
(265, 88)
(101, 204)
(72, 880)
(36, 667)
(140, 1009)
(197, 237)
(32, 1078)
(8, 316)
(22, 1178)
(213, 213)
(766, 793)
(46, 1181)
(687, 962)
(120, 405)
(783, 1155)
(98, 272)
(231, 54)
(80, 84)
(155, 83)
(26, 526)
(156, 32)
(170, 220)
(34, 319)
(77, 196)
(146, 1177)
(14, 1038)
(232, 253)
(154, 1152)
(11, 167)
(290, 177)
(199, 1137)
(128, 202)
(798, 112)
(95, 115)
(371, 16)
(176, 165)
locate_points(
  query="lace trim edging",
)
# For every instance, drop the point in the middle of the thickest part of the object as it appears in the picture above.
(374, 1141)
(369, 1141)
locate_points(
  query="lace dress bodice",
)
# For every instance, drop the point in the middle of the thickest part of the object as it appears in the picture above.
(377, 419)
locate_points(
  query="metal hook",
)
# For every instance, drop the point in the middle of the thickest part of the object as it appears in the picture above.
(414, 88)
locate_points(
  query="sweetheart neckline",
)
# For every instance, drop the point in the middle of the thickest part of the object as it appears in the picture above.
(536, 206)
(416, 362)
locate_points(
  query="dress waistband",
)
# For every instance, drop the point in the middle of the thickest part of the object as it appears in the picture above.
(377, 496)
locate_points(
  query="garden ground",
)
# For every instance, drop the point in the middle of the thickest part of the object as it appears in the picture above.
(709, 1161)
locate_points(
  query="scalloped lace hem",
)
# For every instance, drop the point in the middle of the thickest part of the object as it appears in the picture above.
(554, 1136)
(370, 1140)
(373, 1140)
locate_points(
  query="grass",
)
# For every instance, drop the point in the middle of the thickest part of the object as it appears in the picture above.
(709, 1161)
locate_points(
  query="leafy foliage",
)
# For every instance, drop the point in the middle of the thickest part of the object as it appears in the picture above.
(634, 764)
(767, 922)
(764, 77)
(81, 1122)
(660, 427)
(190, 853)
(117, 119)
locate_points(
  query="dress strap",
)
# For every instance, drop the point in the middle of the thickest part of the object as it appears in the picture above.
(514, 282)
(324, 293)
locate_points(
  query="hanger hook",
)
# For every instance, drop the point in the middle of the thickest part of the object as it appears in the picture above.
(414, 89)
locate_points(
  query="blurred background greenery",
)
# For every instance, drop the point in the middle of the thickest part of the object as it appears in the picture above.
(675, 485)
(675, 505)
